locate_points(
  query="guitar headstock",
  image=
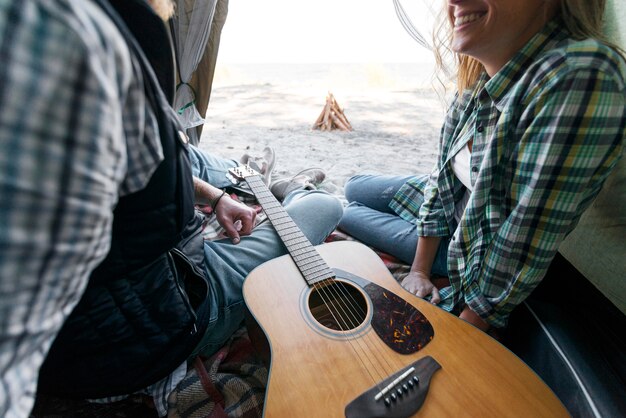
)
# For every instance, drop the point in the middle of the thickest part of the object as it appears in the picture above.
(237, 174)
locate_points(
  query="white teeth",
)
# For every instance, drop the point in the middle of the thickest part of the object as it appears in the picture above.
(466, 19)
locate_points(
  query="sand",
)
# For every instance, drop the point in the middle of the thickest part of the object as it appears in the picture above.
(396, 120)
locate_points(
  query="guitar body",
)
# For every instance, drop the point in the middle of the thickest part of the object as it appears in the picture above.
(316, 371)
(345, 339)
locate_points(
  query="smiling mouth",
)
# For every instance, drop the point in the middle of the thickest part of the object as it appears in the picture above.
(462, 20)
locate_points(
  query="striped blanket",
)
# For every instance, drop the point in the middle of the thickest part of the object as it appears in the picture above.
(231, 383)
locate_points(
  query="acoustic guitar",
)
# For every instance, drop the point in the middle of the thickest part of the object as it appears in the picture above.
(347, 340)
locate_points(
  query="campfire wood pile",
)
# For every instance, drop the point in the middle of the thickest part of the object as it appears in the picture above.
(332, 117)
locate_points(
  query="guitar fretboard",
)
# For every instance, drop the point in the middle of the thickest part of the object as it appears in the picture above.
(312, 266)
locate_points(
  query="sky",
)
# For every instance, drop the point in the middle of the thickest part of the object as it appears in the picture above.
(332, 31)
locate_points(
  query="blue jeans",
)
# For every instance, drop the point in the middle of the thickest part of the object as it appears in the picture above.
(317, 213)
(369, 219)
(210, 168)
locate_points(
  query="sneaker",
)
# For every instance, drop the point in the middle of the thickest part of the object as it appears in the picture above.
(264, 164)
(307, 179)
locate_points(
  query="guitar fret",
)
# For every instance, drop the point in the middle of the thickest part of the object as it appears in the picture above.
(279, 215)
(291, 229)
(300, 251)
(312, 281)
(304, 250)
(317, 275)
(282, 221)
(296, 239)
(305, 256)
(280, 218)
(290, 247)
(310, 278)
(292, 236)
(312, 266)
(269, 207)
(288, 229)
(316, 268)
(320, 277)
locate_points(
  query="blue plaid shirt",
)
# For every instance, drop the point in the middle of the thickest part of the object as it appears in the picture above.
(547, 130)
(75, 134)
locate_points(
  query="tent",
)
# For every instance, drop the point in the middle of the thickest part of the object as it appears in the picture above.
(196, 30)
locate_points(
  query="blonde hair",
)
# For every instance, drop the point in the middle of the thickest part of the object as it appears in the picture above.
(163, 8)
(582, 18)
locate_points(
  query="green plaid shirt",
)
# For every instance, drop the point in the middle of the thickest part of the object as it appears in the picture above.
(548, 128)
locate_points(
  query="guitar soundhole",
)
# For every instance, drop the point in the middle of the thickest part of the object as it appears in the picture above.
(337, 305)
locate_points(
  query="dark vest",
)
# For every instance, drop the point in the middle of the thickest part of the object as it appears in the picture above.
(145, 307)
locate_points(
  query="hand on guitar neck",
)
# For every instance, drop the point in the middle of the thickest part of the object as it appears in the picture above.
(236, 218)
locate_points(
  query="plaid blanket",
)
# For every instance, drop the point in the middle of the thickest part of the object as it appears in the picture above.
(231, 383)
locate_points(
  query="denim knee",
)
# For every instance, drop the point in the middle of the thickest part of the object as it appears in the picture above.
(332, 207)
(351, 188)
(317, 213)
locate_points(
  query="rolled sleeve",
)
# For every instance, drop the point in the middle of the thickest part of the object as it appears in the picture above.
(432, 221)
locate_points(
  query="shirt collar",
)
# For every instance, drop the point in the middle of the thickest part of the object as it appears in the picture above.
(545, 39)
(470, 96)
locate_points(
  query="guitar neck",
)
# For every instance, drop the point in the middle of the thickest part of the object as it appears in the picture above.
(312, 266)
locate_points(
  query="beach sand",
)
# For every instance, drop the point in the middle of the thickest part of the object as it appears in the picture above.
(394, 110)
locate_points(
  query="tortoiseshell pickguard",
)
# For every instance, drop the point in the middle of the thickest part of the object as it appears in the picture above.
(398, 323)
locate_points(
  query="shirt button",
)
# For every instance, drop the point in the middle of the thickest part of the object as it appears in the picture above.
(475, 169)
(480, 128)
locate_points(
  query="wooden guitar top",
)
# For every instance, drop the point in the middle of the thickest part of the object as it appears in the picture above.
(317, 372)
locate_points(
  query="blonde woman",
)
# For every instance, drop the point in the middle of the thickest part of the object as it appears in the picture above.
(535, 128)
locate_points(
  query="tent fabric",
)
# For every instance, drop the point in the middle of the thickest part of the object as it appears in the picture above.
(202, 79)
(192, 27)
(614, 16)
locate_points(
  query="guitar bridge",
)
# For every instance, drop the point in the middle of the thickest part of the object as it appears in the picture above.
(400, 395)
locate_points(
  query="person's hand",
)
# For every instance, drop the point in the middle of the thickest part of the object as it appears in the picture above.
(236, 218)
(419, 284)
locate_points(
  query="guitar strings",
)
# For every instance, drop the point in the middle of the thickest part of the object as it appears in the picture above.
(351, 333)
(380, 345)
(347, 321)
(334, 309)
(259, 188)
